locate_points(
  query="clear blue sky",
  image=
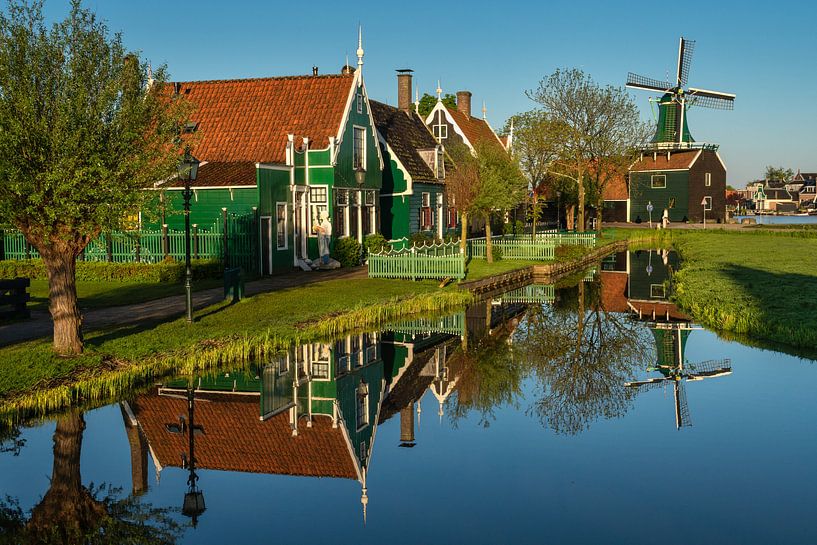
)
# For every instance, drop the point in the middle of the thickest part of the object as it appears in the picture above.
(765, 52)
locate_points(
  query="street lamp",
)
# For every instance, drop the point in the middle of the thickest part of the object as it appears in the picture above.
(188, 170)
(193, 505)
(558, 210)
(360, 176)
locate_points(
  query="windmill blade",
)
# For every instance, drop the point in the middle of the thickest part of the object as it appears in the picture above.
(644, 385)
(711, 99)
(685, 49)
(648, 84)
(682, 418)
(709, 369)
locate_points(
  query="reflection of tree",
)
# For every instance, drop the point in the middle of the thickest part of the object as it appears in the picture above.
(10, 440)
(71, 513)
(489, 375)
(582, 356)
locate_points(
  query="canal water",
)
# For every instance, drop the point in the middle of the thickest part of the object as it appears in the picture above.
(591, 411)
(781, 220)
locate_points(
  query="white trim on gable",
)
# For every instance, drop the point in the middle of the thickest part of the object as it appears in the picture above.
(450, 120)
(409, 181)
(357, 85)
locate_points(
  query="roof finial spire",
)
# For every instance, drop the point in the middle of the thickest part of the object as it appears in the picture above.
(417, 99)
(364, 500)
(359, 47)
(484, 110)
(151, 80)
(439, 92)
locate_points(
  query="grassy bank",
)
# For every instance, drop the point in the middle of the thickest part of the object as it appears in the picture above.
(755, 283)
(116, 359)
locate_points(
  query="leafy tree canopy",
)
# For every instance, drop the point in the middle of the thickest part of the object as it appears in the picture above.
(427, 103)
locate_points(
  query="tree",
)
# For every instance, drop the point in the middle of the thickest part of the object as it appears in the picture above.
(427, 103)
(598, 124)
(81, 135)
(778, 173)
(462, 186)
(536, 143)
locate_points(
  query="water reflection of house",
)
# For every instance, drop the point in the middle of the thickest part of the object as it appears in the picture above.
(310, 412)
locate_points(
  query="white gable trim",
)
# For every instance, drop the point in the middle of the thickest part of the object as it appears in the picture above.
(441, 107)
(357, 82)
(409, 181)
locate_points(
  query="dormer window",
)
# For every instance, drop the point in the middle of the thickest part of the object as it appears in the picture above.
(190, 127)
(440, 131)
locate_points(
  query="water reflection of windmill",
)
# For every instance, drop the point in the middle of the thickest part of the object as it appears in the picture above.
(670, 342)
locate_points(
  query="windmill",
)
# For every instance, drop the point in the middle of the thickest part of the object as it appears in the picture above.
(670, 363)
(673, 130)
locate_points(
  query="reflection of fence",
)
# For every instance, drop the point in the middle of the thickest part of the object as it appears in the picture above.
(530, 294)
(453, 324)
(151, 246)
(443, 260)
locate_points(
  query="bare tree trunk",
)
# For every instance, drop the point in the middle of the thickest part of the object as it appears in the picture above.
(569, 216)
(464, 231)
(599, 213)
(581, 201)
(59, 259)
(489, 249)
(535, 215)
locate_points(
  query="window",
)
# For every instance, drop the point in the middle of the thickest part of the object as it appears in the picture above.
(318, 203)
(440, 131)
(452, 217)
(341, 212)
(360, 103)
(439, 163)
(281, 224)
(658, 181)
(657, 291)
(708, 203)
(362, 405)
(359, 149)
(369, 212)
(321, 358)
(426, 217)
(708, 179)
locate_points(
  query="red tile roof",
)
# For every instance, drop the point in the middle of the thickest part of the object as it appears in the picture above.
(677, 160)
(249, 119)
(475, 130)
(614, 291)
(220, 174)
(234, 438)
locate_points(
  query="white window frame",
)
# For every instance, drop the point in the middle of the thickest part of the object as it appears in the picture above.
(708, 205)
(359, 102)
(425, 199)
(708, 179)
(355, 129)
(440, 131)
(654, 178)
(286, 226)
(655, 288)
(315, 207)
(361, 417)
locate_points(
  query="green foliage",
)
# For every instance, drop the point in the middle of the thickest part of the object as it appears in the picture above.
(421, 238)
(375, 243)
(778, 173)
(81, 132)
(513, 228)
(347, 251)
(569, 252)
(91, 271)
(427, 103)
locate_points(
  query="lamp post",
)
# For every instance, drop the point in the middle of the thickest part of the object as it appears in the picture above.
(188, 170)
(558, 210)
(360, 179)
(193, 505)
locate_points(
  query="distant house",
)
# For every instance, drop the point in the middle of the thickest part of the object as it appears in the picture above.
(457, 126)
(413, 194)
(772, 195)
(685, 182)
(285, 149)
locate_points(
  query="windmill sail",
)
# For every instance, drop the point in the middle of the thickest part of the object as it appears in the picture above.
(642, 82)
(685, 50)
(711, 99)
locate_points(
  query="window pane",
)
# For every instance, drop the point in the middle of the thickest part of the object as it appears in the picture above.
(281, 228)
(359, 148)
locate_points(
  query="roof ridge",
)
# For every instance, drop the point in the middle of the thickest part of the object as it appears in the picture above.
(263, 78)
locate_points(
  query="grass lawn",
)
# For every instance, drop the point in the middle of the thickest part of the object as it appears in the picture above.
(750, 282)
(113, 293)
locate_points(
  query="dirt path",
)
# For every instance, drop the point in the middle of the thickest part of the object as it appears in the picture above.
(169, 308)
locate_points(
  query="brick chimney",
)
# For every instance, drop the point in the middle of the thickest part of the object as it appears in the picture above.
(404, 89)
(464, 102)
(407, 426)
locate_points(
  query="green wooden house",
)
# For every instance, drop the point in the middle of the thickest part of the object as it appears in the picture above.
(413, 196)
(280, 151)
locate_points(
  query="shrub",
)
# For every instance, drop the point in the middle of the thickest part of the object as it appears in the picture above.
(496, 252)
(347, 252)
(513, 228)
(375, 243)
(420, 238)
(92, 271)
(567, 252)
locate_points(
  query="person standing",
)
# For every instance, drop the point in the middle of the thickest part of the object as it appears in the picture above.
(324, 236)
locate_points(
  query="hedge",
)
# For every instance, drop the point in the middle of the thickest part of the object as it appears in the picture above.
(166, 271)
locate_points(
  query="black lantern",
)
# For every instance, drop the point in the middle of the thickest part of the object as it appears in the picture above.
(360, 176)
(193, 504)
(188, 170)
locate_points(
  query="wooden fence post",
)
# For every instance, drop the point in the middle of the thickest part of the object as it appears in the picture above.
(195, 241)
(138, 246)
(2, 245)
(165, 241)
(255, 239)
(225, 253)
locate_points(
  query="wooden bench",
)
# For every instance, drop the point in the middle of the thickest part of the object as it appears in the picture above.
(13, 298)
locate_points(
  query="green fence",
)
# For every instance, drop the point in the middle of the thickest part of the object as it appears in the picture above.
(153, 246)
(514, 248)
(562, 238)
(431, 261)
